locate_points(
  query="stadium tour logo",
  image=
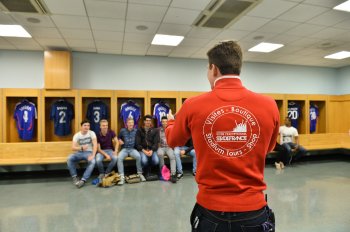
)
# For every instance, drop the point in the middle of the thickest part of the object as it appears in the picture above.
(231, 131)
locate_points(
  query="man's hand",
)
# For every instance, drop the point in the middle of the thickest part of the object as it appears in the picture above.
(85, 147)
(182, 152)
(170, 115)
(296, 148)
(91, 157)
(121, 142)
(147, 152)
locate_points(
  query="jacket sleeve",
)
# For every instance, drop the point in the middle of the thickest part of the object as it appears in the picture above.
(275, 131)
(138, 140)
(156, 139)
(178, 131)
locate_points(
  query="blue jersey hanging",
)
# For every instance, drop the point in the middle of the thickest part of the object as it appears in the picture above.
(313, 117)
(130, 109)
(62, 113)
(294, 113)
(25, 115)
(97, 110)
(160, 110)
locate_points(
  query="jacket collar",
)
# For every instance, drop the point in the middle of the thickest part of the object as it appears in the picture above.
(228, 81)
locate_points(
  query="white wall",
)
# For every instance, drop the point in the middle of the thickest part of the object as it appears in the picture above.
(272, 78)
(99, 71)
(344, 80)
(138, 73)
(21, 69)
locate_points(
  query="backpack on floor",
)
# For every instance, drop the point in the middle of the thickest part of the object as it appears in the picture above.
(132, 179)
(109, 180)
(165, 173)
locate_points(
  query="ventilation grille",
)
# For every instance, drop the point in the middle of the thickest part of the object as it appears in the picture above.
(23, 6)
(221, 13)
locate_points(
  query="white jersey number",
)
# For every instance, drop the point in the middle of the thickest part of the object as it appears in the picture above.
(62, 115)
(313, 115)
(25, 116)
(97, 116)
(293, 114)
(162, 114)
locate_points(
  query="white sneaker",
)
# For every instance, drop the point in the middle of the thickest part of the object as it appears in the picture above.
(143, 179)
(282, 165)
(122, 180)
(278, 166)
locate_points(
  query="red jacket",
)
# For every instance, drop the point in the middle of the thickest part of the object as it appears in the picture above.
(232, 130)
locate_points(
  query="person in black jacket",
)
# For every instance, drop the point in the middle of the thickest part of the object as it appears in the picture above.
(147, 139)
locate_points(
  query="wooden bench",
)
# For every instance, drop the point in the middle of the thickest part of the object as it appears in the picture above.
(39, 153)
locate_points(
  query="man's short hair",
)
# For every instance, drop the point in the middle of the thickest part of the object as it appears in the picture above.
(130, 119)
(147, 116)
(84, 121)
(227, 56)
(103, 121)
(164, 117)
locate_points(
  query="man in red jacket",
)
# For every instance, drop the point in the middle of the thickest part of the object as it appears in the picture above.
(232, 129)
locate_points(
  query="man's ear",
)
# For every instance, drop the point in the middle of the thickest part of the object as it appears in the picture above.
(216, 70)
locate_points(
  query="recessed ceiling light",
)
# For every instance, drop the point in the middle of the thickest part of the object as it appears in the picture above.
(345, 6)
(258, 37)
(339, 55)
(265, 47)
(141, 27)
(167, 40)
(33, 20)
(13, 31)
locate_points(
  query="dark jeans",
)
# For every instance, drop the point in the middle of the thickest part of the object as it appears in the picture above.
(282, 155)
(301, 151)
(204, 220)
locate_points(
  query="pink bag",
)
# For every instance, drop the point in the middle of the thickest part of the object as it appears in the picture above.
(165, 173)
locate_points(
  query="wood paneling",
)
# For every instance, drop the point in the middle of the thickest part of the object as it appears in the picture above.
(339, 114)
(1, 113)
(57, 65)
(183, 95)
(332, 130)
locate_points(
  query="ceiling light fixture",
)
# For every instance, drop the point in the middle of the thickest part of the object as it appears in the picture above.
(339, 55)
(265, 47)
(13, 31)
(33, 20)
(345, 6)
(167, 40)
(141, 27)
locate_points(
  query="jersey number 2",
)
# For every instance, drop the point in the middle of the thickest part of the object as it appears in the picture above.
(62, 115)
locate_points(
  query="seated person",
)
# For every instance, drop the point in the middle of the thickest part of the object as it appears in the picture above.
(127, 139)
(147, 143)
(85, 147)
(281, 157)
(165, 149)
(105, 148)
(290, 142)
(188, 149)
